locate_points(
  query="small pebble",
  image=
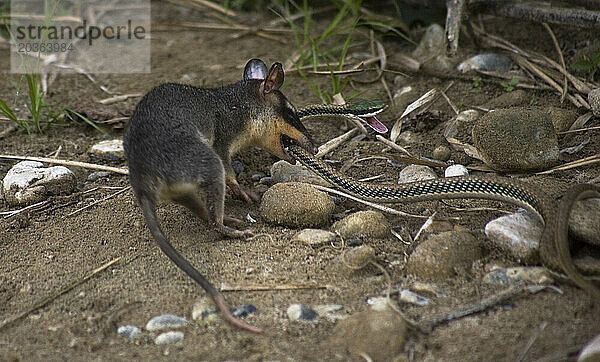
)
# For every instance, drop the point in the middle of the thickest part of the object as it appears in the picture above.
(407, 138)
(378, 303)
(299, 312)
(328, 308)
(486, 61)
(357, 258)
(414, 173)
(238, 167)
(409, 296)
(594, 101)
(465, 121)
(111, 150)
(314, 237)
(169, 337)
(518, 234)
(165, 321)
(430, 51)
(456, 170)
(363, 224)
(442, 153)
(257, 176)
(515, 275)
(352, 243)
(250, 219)
(130, 332)
(591, 351)
(205, 311)
(244, 311)
(428, 288)
(94, 176)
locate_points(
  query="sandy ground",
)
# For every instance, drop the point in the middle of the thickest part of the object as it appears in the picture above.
(45, 249)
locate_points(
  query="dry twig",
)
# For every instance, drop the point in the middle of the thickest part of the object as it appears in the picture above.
(93, 166)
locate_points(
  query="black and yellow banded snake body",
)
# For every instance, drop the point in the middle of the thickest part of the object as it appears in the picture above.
(554, 245)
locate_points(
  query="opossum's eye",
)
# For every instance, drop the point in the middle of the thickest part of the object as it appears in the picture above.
(290, 116)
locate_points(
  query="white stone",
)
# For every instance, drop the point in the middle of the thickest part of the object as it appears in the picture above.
(413, 173)
(109, 149)
(169, 337)
(456, 170)
(518, 233)
(29, 181)
(165, 321)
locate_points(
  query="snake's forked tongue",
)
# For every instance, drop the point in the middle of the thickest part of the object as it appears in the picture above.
(374, 123)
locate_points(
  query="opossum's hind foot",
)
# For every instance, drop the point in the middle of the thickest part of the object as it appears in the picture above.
(234, 233)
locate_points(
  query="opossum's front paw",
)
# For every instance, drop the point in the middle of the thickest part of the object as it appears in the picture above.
(249, 195)
(244, 193)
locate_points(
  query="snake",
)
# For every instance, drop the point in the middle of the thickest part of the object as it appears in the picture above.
(554, 245)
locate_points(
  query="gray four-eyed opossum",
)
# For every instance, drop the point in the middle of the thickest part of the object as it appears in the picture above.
(179, 144)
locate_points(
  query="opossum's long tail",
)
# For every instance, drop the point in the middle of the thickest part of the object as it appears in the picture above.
(149, 209)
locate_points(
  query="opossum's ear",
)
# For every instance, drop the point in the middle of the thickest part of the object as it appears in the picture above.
(255, 69)
(275, 78)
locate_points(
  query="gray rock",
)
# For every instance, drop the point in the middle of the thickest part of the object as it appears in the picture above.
(440, 255)
(583, 223)
(442, 153)
(414, 173)
(486, 61)
(296, 204)
(111, 150)
(594, 101)
(238, 166)
(407, 138)
(591, 351)
(169, 337)
(515, 275)
(257, 176)
(380, 334)
(515, 98)
(363, 224)
(431, 51)
(516, 139)
(314, 237)
(29, 182)
(456, 170)
(408, 296)
(244, 311)
(94, 176)
(465, 121)
(130, 332)
(165, 321)
(356, 258)
(562, 119)
(518, 234)
(298, 312)
(283, 171)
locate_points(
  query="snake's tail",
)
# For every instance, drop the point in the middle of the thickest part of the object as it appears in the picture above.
(561, 237)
